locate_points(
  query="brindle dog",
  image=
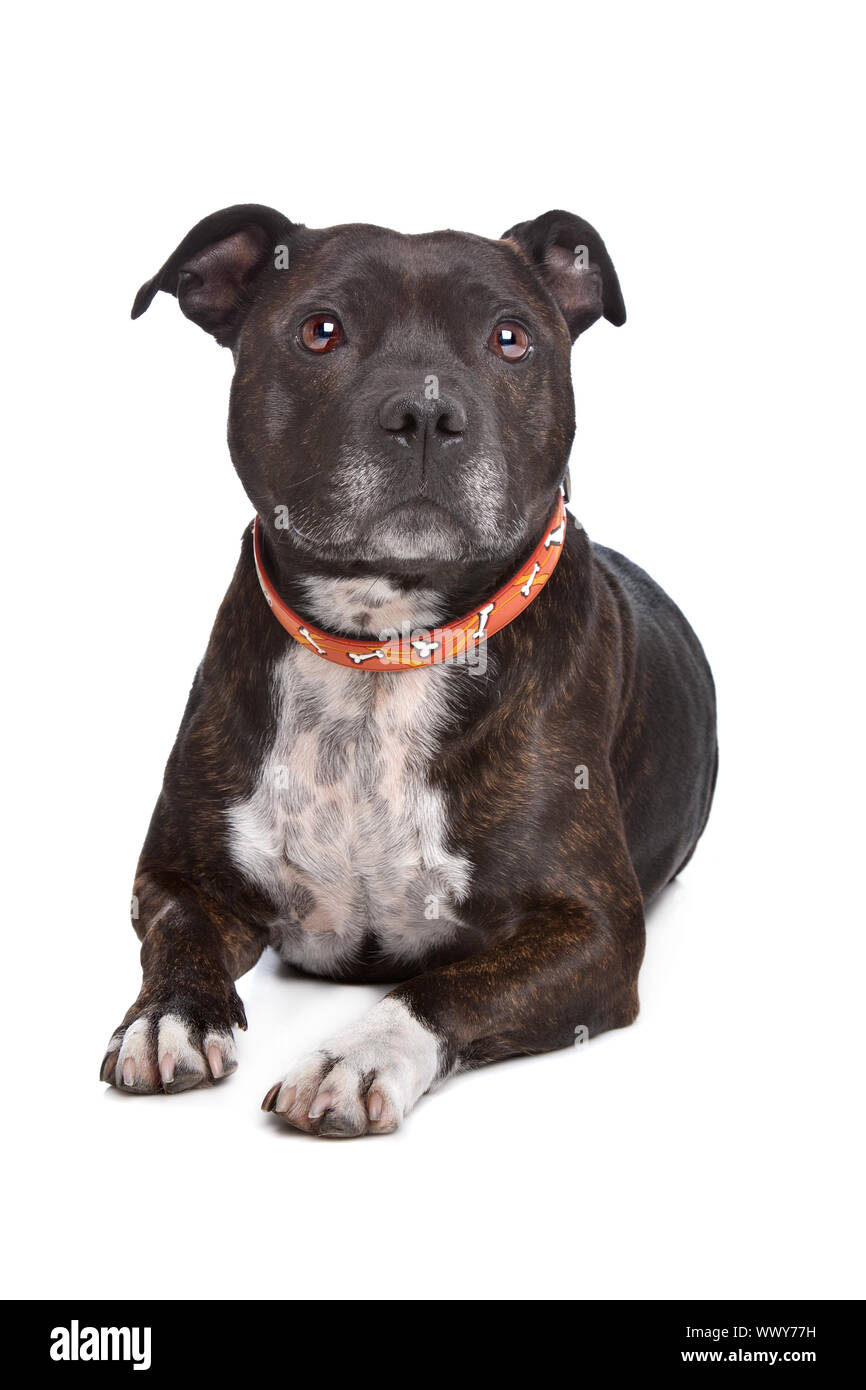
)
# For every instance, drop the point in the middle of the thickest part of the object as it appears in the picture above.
(487, 835)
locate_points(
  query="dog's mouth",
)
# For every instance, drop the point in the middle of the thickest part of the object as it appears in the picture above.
(413, 531)
(417, 530)
(418, 515)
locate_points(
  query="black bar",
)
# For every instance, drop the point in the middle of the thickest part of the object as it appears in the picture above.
(212, 1337)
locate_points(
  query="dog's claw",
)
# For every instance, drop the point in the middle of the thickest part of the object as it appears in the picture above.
(324, 1100)
(109, 1063)
(270, 1099)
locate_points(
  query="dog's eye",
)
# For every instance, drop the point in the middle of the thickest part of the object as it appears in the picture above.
(510, 340)
(321, 332)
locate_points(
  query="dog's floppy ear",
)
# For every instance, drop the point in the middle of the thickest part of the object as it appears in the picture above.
(573, 262)
(214, 267)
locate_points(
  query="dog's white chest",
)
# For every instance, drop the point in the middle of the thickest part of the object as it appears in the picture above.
(345, 835)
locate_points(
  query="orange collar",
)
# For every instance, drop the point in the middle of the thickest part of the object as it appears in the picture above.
(438, 644)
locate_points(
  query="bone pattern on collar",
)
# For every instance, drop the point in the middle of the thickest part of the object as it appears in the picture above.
(435, 645)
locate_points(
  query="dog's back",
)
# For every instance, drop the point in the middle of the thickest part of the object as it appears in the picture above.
(666, 752)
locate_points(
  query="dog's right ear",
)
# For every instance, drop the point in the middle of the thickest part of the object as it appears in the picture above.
(214, 268)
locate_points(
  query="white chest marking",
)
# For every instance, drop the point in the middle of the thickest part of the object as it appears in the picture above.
(344, 834)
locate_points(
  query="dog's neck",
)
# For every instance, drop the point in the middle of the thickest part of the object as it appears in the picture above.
(367, 607)
(360, 602)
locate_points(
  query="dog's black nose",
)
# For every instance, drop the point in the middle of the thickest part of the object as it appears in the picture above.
(425, 418)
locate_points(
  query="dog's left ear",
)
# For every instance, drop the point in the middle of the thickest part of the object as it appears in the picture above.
(574, 264)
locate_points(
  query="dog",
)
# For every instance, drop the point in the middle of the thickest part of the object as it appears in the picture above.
(439, 738)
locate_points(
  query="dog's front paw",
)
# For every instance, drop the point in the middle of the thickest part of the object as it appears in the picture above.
(364, 1080)
(170, 1050)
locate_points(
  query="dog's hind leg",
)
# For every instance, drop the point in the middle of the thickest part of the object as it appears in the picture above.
(178, 1033)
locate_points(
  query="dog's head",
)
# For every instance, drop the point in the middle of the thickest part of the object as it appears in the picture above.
(399, 403)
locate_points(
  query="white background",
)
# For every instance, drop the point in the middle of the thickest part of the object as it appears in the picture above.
(713, 1149)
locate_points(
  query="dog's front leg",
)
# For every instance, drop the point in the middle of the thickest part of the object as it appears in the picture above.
(178, 1033)
(569, 967)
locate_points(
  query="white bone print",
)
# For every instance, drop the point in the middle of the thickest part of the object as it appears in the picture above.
(425, 648)
(365, 656)
(525, 588)
(556, 535)
(305, 633)
(483, 615)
